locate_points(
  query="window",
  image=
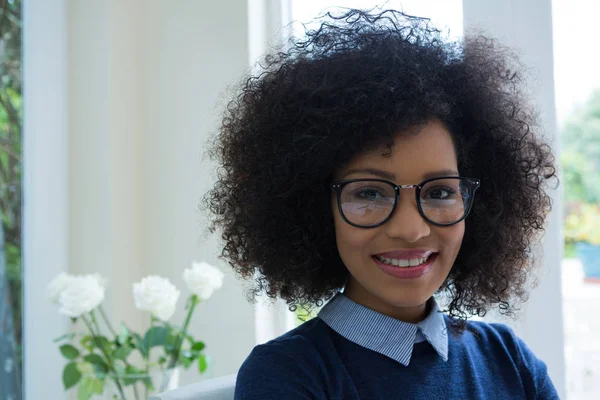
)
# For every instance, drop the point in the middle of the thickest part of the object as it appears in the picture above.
(10, 200)
(577, 84)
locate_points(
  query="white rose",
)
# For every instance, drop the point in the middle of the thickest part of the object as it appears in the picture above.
(203, 279)
(102, 281)
(58, 285)
(82, 295)
(157, 295)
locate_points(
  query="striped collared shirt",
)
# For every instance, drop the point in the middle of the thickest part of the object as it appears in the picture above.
(386, 335)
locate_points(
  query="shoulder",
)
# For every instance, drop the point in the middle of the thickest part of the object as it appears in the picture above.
(299, 344)
(290, 366)
(498, 336)
(500, 343)
(492, 334)
(496, 339)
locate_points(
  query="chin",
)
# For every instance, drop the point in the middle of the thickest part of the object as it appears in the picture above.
(407, 300)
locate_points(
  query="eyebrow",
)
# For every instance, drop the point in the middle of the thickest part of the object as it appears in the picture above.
(390, 176)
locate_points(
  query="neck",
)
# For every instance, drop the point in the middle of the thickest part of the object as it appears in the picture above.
(411, 314)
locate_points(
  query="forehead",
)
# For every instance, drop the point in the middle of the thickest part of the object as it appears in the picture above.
(413, 154)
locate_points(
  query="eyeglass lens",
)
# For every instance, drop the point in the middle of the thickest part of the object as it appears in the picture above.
(443, 201)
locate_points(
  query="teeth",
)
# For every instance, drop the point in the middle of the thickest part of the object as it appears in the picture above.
(403, 263)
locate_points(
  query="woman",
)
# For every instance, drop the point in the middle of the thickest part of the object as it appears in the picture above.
(351, 163)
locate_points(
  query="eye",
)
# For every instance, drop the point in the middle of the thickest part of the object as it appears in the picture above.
(439, 193)
(370, 194)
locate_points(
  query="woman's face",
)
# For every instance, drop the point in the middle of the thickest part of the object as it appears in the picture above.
(414, 158)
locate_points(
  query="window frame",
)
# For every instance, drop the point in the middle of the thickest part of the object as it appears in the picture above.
(45, 191)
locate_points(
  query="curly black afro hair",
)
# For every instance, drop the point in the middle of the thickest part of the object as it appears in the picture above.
(352, 83)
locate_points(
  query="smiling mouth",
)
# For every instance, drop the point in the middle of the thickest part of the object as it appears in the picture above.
(404, 263)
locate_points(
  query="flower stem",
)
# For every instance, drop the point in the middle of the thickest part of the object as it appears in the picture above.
(136, 394)
(106, 321)
(175, 357)
(103, 350)
(95, 322)
(147, 357)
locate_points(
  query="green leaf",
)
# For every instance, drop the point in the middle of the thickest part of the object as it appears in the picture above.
(96, 386)
(186, 361)
(140, 344)
(86, 342)
(202, 364)
(71, 375)
(123, 352)
(156, 336)
(98, 362)
(69, 351)
(101, 343)
(83, 393)
(85, 368)
(123, 335)
(88, 387)
(198, 346)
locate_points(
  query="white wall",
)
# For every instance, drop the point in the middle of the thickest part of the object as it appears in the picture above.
(105, 120)
(136, 86)
(193, 51)
(145, 77)
(527, 27)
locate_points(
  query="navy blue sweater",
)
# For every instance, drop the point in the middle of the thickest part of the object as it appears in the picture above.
(314, 362)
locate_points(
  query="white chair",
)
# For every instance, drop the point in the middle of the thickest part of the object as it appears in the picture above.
(221, 388)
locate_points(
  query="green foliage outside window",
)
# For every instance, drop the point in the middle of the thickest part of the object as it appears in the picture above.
(580, 160)
(11, 164)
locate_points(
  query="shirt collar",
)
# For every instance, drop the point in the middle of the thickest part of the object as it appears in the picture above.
(386, 335)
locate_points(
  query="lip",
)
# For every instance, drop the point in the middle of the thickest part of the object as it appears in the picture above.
(407, 254)
(407, 272)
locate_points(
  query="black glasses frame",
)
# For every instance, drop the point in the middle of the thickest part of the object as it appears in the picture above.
(472, 183)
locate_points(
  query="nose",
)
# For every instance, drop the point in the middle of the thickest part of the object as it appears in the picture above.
(406, 222)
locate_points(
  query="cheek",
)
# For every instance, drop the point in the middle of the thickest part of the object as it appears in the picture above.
(350, 240)
(451, 238)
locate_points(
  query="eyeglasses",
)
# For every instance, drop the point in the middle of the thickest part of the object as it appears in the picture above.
(368, 203)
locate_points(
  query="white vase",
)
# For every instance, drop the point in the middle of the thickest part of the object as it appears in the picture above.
(168, 380)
